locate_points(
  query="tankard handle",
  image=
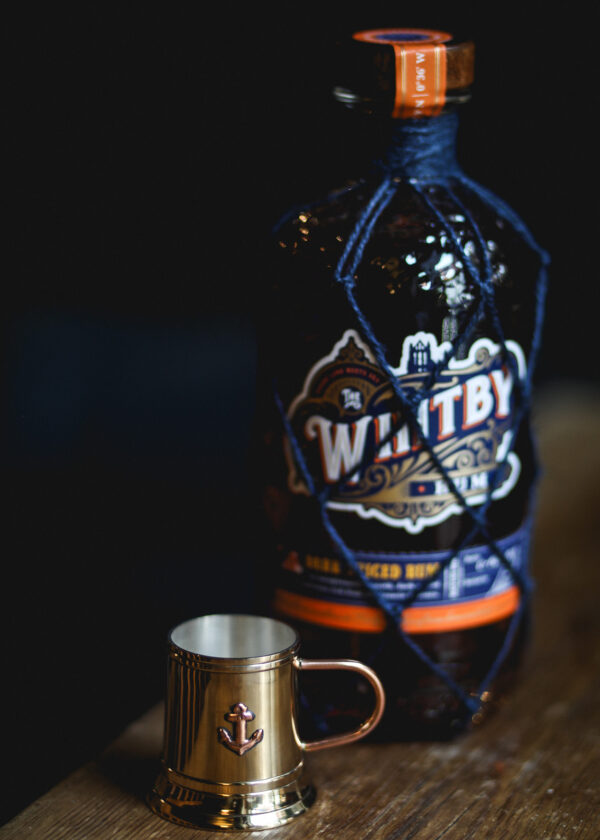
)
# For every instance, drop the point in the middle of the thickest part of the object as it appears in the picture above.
(366, 725)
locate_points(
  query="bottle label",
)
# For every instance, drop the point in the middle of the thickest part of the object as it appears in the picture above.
(474, 588)
(347, 422)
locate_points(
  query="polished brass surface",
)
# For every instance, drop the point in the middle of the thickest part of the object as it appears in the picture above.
(238, 669)
(196, 703)
(201, 809)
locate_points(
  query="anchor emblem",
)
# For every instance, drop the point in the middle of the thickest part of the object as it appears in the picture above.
(239, 715)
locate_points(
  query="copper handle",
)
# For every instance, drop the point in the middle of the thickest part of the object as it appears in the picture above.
(366, 725)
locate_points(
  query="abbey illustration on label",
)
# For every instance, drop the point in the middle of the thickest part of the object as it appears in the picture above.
(347, 422)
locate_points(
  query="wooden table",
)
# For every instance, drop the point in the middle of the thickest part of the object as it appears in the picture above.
(532, 771)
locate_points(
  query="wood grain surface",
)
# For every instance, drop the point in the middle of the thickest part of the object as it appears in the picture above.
(532, 771)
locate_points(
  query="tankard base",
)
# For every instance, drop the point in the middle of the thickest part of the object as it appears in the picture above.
(196, 808)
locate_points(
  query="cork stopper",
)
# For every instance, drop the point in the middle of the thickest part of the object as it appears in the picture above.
(404, 73)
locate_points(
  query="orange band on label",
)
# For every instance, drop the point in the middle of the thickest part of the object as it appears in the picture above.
(414, 619)
(420, 80)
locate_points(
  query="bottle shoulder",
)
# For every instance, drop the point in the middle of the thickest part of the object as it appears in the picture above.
(433, 252)
(419, 223)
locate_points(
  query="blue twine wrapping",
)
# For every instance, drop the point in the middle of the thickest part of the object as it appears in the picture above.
(423, 153)
(423, 150)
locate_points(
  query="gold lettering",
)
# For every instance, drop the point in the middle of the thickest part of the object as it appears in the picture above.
(329, 565)
(421, 571)
(381, 571)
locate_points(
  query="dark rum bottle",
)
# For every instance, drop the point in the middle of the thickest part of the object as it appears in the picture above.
(402, 498)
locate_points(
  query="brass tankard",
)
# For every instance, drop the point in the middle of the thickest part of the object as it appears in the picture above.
(232, 756)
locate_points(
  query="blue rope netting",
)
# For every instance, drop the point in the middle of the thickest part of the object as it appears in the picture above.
(423, 156)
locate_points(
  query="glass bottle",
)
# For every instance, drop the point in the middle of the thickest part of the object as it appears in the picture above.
(387, 500)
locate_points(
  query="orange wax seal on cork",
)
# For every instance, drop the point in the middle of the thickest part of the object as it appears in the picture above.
(406, 73)
(420, 68)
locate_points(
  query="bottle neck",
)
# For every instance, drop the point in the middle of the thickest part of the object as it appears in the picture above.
(423, 149)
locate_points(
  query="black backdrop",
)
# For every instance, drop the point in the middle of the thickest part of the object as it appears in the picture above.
(151, 150)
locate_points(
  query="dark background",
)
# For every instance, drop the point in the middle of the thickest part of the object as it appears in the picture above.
(151, 151)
